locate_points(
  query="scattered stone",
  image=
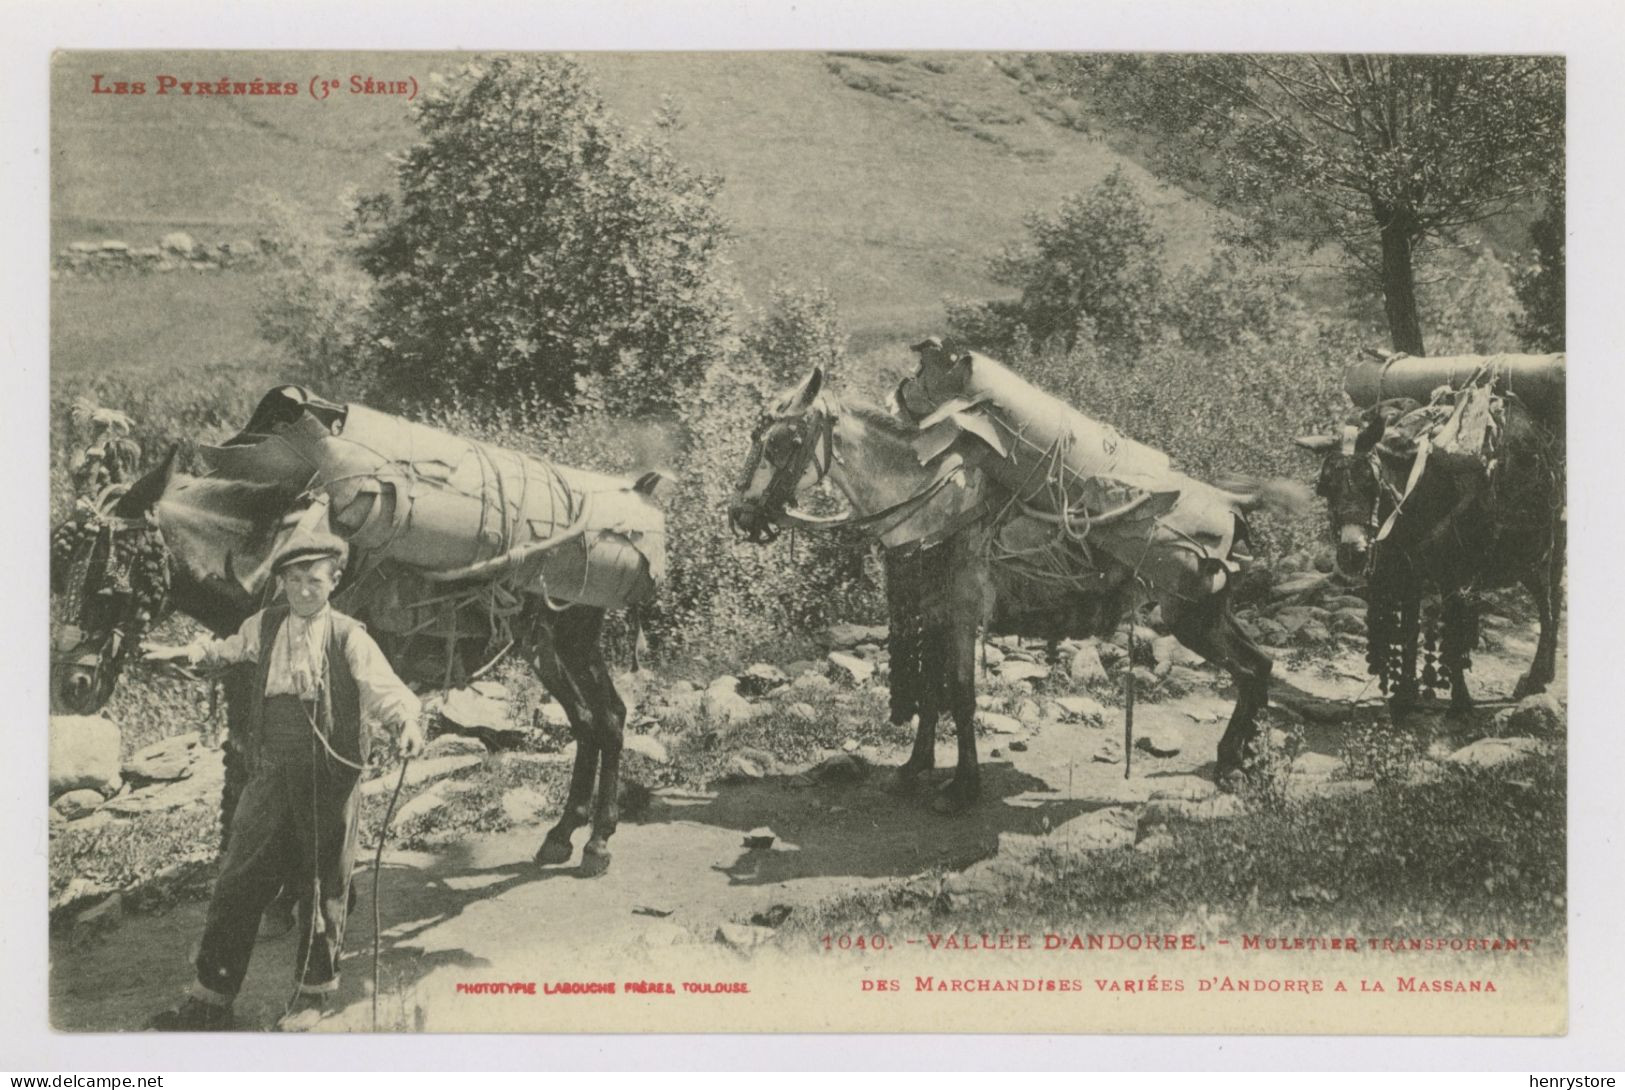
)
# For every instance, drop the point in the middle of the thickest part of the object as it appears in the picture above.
(741, 769)
(1186, 788)
(850, 635)
(998, 722)
(722, 702)
(450, 745)
(647, 745)
(802, 712)
(1351, 621)
(1339, 602)
(1158, 839)
(1029, 711)
(1271, 633)
(1146, 745)
(422, 772)
(811, 684)
(1085, 708)
(433, 798)
(1316, 765)
(1086, 667)
(84, 752)
(179, 243)
(1018, 746)
(663, 934)
(162, 762)
(1216, 808)
(114, 246)
(760, 838)
(152, 799)
(1494, 752)
(523, 805)
(99, 917)
(1313, 632)
(1292, 618)
(1538, 715)
(991, 655)
(761, 679)
(850, 667)
(553, 714)
(850, 745)
(492, 689)
(1013, 670)
(81, 802)
(1099, 830)
(1145, 681)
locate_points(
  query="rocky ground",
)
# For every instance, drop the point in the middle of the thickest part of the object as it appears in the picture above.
(749, 800)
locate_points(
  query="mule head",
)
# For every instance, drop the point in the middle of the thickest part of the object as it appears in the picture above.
(1351, 483)
(791, 450)
(110, 575)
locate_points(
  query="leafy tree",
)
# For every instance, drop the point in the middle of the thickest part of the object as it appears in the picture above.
(1372, 153)
(1539, 282)
(1095, 263)
(535, 242)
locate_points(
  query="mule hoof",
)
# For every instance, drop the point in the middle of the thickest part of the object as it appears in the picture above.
(594, 861)
(553, 852)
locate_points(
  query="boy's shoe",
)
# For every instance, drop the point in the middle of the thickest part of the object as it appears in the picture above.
(193, 1016)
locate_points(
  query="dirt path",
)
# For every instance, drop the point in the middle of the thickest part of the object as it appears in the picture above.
(483, 911)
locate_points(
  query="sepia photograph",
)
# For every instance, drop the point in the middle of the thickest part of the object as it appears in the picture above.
(808, 542)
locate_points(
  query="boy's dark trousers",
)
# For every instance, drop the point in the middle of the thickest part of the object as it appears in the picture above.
(301, 803)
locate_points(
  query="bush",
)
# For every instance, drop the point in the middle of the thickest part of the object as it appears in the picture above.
(534, 242)
(1098, 260)
(315, 299)
(1541, 280)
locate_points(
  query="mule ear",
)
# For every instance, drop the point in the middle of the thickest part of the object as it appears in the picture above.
(145, 493)
(1318, 444)
(802, 399)
(1370, 436)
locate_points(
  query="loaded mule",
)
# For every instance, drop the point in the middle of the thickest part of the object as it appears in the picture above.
(201, 546)
(1407, 515)
(953, 548)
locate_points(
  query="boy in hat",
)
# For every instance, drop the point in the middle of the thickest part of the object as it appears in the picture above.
(320, 678)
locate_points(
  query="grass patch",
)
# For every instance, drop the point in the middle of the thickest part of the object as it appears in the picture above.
(1476, 852)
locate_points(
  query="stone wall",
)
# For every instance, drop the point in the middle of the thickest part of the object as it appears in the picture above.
(174, 252)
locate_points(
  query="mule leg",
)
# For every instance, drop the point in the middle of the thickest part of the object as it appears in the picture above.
(962, 791)
(1545, 585)
(556, 847)
(910, 649)
(1459, 638)
(1210, 629)
(1544, 667)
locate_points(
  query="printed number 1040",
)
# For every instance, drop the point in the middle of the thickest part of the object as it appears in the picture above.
(854, 942)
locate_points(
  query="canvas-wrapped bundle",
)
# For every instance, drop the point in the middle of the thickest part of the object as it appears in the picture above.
(454, 509)
(1077, 474)
(1538, 381)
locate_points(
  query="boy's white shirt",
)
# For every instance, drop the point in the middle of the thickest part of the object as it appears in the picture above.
(298, 658)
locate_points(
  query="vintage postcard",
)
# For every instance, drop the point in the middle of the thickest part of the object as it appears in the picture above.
(808, 542)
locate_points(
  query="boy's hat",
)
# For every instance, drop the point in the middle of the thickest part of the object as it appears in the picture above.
(307, 545)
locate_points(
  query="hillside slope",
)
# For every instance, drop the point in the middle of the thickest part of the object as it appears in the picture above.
(890, 178)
